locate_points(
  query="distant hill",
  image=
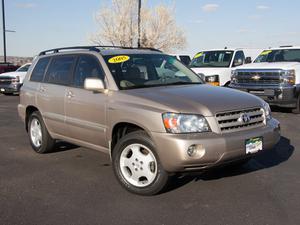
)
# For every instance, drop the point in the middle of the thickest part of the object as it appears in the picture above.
(17, 60)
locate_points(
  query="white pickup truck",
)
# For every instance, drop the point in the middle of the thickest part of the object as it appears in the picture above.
(274, 76)
(11, 82)
(215, 66)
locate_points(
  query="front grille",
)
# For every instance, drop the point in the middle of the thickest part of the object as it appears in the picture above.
(232, 121)
(265, 77)
(5, 80)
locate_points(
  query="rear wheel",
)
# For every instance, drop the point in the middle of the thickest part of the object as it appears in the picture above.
(39, 137)
(136, 165)
(297, 109)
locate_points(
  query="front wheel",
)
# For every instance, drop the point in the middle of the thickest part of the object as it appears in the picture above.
(136, 165)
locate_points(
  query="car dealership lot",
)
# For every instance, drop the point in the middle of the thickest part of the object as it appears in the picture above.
(77, 186)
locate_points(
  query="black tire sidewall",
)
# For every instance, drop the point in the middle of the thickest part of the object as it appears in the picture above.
(161, 178)
(45, 135)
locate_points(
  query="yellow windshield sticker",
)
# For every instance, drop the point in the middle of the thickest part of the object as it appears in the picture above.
(119, 59)
(198, 55)
(267, 52)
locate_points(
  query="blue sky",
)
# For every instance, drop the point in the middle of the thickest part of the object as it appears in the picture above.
(44, 24)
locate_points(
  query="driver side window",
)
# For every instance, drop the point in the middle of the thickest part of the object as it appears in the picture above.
(239, 59)
(87, 67)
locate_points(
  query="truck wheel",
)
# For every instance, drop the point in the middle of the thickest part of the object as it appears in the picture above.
(136, 165)
(39, 137)
(297, 109)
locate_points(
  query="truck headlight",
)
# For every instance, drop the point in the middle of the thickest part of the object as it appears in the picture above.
(234, 76)
(267, 110)
(185, 123)
(289, 77)
(213, 80)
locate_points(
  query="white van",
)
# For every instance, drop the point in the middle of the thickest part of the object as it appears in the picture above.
(215, 65)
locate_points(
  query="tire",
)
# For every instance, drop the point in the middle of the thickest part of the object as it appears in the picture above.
(39, 137)
(297, 109)
(136, 165)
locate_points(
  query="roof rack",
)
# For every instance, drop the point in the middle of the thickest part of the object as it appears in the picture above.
(92, 48)
(286, 46)
(57, 50)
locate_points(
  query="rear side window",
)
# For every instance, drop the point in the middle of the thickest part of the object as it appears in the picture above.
(60, 70)
(87, 67)
(39, 70)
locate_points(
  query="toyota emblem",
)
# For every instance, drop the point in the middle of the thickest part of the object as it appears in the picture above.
(244, 118)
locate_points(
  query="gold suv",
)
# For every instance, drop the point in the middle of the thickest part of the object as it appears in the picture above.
(153, 115)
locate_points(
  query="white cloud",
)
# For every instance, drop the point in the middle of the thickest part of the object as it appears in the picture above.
(210, 7)
(27, 5)
(244, 31)
(255, 17)
(262, 7)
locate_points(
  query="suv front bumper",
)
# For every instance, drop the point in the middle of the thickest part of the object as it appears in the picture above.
(218, 148)
(274, 95)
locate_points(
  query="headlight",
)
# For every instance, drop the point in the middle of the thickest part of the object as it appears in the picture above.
(213, 80)
(289, 77)
(234, 76)
(267, 111)
(185, 123)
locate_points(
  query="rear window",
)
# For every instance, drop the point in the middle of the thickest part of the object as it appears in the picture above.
(60, 70)
(39, 70)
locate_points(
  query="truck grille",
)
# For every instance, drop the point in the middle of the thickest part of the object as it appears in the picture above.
(254, 77)
(240, 120)
(5, 80)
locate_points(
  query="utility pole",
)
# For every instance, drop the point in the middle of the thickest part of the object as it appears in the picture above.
(4, 31)
(139, 22)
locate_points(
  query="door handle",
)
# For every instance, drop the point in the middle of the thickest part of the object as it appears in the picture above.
(70, 94)
(42, 89)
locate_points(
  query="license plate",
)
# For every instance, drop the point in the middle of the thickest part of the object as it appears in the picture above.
(2, 89)
(254, 145)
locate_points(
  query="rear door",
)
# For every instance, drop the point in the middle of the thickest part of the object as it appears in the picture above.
(52, 93)
(86, 110)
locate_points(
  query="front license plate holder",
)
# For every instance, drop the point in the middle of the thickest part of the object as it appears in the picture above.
(254, 145)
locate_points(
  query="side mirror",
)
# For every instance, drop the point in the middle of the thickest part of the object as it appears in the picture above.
(94, 84)
(238, 62)
(248, 60)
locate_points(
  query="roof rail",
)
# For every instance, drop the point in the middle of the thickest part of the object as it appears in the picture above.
(57, 50)
(286, 46)
(93, 48)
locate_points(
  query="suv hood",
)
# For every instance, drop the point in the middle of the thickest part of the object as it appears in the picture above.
(275, 65)
(203, 99)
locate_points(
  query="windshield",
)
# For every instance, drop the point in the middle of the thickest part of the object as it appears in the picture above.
(23, 68)
(149, 70)
(212, 59)
(282, 55)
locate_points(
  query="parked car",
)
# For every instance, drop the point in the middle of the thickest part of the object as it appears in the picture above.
(274, 76)
(11, 82)
(184, 58)
(215, 65)
(152, 114)
(7, 67)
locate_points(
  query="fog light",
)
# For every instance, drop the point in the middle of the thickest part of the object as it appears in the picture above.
(196, 151)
